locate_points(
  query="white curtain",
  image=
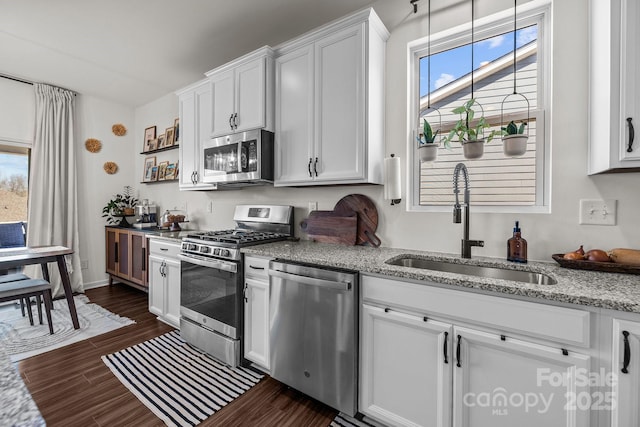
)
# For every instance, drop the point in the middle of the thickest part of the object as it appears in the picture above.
(53, 213)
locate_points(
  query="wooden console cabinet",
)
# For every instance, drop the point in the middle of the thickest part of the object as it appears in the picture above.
(127, 257)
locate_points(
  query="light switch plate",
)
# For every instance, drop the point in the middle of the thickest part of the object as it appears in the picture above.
(598, 212)
(313, 206)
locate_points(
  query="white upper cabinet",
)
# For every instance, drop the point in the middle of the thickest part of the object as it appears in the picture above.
(194, 105)
(614, 101)
(242, 94)
(330, 104)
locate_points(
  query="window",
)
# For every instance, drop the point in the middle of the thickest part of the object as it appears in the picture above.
(14, 173)
(442, 81)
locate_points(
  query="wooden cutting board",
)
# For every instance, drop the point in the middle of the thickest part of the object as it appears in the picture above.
(331, 227)
(367, 214)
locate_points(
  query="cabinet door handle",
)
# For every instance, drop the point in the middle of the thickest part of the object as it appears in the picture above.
(196, 178)
(627, 353)
(458, 364)
(309, 167)
(315, 166)
(632, 134)
(164, 249)
(144, 259)
(117, 252)
(235, 120)
(445, 347)
(244, 293)
(230, 121)
(256, 268)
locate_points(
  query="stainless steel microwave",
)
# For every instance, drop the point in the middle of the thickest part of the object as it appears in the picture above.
(240, 159)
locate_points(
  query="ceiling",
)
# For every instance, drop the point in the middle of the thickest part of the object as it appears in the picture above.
(134, 52)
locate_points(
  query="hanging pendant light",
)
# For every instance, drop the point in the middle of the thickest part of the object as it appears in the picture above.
(428, 140)
(514, 138)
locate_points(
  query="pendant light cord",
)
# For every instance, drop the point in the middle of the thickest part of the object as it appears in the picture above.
(429, 55)
(472, 30)
(514, 46)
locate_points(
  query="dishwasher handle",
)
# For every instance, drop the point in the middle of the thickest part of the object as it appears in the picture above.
(306, 280)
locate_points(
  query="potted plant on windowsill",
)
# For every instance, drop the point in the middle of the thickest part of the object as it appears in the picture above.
(470, 134)
(120, 206)
(514, 140)
(427, 147)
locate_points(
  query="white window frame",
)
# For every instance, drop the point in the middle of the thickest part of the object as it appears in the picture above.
(534, 12)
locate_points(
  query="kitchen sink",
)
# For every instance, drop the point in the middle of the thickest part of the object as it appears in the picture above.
(474, 270)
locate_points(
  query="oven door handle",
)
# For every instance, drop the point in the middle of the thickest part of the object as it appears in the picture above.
(212, 263)
(306, 280)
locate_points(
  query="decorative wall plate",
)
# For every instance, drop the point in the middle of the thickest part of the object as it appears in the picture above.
(110, 167)
(92, 145)
(119, 129)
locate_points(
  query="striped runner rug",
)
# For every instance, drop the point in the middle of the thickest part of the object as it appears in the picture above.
(344, 420)
(179, 384)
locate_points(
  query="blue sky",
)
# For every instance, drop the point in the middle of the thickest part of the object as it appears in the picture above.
(13, 164)
(452, 64)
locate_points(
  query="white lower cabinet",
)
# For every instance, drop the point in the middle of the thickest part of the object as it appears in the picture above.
(418, 370)
(164, 281)
(406, 368)
(626, 367)
(256, 311)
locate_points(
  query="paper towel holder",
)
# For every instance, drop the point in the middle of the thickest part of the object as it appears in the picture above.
(395, 201)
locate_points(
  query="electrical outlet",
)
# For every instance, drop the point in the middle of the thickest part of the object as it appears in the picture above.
(210, 206)
(598, 212)
(313, 206)
(84, 264)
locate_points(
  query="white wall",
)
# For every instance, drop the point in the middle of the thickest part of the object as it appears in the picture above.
(94, 118)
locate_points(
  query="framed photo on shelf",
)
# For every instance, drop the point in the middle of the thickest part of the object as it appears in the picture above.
(171, 172)
(162, 169)
(176, 132)
(153, 144)
(149, 163)
(161, 141)
(169, 139)
(154, 173)
(149, 135)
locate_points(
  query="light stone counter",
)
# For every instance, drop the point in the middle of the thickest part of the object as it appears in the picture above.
(595, 289)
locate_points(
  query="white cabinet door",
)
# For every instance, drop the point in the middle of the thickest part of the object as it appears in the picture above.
(250, 93)
(515, 383)
(156, 286)
(626, 367)
(630, 93)
(294, 117)
(340, 106)
(195, 127)
(172, 292)
(223, 99)
(256, 322)
(405, 372)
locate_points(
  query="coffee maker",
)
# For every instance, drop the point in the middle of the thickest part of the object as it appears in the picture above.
(146, 215)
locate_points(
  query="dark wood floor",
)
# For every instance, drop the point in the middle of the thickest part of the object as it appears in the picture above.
(73, 387)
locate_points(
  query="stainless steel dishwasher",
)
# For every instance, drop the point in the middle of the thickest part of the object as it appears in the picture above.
(313, 332)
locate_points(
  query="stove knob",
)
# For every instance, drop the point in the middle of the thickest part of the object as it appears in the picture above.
(193, 247)
(205, 249)
(225, 252)
(216, 251)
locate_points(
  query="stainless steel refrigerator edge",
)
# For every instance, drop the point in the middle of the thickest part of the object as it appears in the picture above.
(314, 333)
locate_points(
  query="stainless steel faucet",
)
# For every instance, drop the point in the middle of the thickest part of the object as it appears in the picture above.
(457, 211)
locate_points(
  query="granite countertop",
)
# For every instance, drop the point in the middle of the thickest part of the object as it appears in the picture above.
(173, 236)
(596, 289)
(18, 407)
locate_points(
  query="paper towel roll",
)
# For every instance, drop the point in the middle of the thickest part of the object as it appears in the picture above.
(392, 188)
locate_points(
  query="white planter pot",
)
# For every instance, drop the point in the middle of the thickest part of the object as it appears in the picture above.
(473, 149)
(428, 152)
(514, 145)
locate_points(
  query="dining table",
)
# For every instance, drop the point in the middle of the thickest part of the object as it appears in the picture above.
(20, 256)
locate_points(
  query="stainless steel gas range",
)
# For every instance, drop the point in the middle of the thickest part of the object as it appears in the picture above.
(211, 299)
